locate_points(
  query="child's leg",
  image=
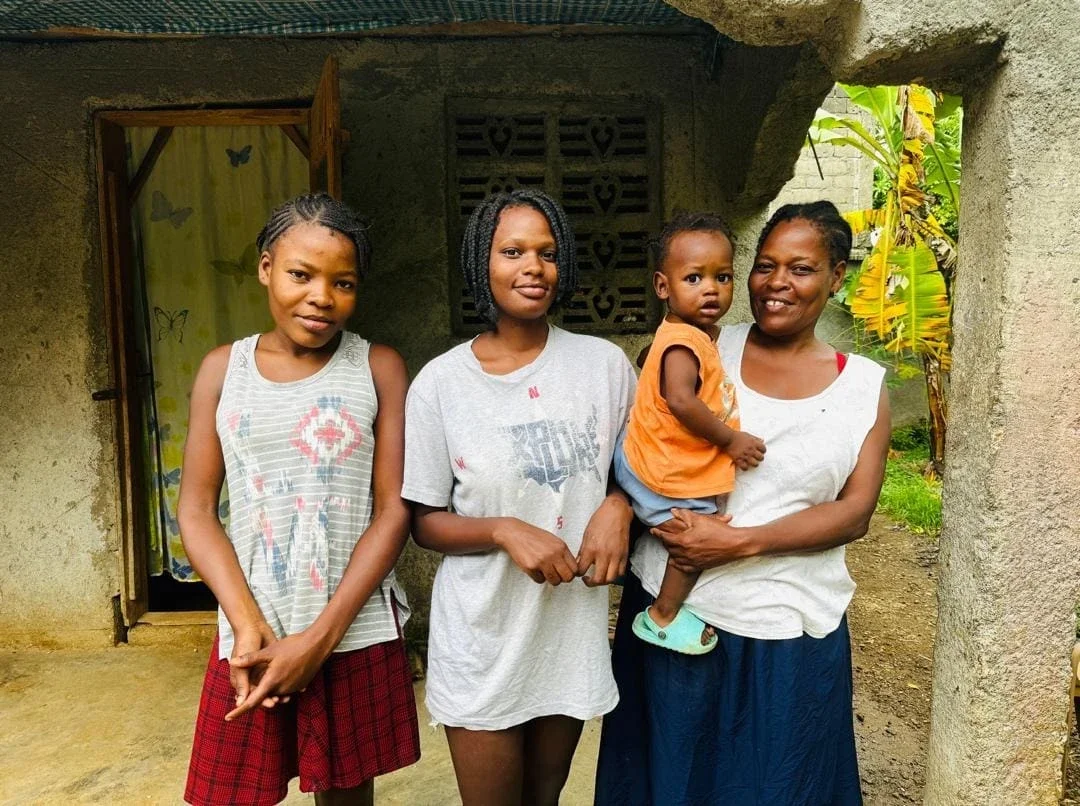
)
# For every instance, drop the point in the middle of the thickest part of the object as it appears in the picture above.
(676, 585)
(674, 589)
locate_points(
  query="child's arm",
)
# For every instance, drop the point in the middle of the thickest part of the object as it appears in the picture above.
(678, 385)
(293, 661)
(205, 542)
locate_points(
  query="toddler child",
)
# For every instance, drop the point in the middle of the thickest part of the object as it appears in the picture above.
(682, 444)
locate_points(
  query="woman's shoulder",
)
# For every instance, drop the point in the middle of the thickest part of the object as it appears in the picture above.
(216, 362)
(734, 333)
(866, 368)
(865, 379)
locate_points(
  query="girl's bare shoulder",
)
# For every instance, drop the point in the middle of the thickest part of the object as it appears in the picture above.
(386, 364)
(215, 364)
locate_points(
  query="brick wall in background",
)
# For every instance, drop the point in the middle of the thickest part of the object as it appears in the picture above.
(846, 178)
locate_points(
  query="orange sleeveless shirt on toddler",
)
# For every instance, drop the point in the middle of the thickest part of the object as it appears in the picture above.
(663, 454)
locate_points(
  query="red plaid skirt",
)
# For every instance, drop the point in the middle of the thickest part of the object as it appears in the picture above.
(355, 720)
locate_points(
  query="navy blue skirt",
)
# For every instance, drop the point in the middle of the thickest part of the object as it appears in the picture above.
(752, 723)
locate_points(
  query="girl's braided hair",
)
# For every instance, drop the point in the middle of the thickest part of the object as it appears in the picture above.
(822, 216)
(318, 208)
(476, 246)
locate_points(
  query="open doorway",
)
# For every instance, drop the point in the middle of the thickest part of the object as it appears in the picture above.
(183, 194)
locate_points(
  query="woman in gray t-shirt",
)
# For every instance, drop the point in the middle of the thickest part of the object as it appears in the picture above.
(514, 432)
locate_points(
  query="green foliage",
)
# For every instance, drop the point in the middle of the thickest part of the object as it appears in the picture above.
(882, 186)
(907, 495)
(910, 438)
(901, 293)
(948, 131)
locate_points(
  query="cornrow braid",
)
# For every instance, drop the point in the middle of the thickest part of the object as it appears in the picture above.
(318, 208)
(687, 222)
(476, 246)
(824, 217)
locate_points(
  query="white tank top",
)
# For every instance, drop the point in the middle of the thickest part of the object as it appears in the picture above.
(298, 462)
(813, 445)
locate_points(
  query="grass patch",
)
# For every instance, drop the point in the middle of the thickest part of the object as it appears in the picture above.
(907, 495)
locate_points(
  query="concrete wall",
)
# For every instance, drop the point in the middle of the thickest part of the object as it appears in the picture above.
(59, 529)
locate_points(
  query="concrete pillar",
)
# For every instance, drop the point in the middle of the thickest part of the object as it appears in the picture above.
(1010, 548)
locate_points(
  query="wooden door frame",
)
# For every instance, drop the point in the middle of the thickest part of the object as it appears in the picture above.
(115, 195)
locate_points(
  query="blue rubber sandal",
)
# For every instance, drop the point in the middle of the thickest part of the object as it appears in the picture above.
(681, 635)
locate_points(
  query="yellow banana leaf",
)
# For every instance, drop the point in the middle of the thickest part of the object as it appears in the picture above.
(929, 227)
(911, 194)
(872, 302)
(918, 289)
(918, 116)
(863, 220)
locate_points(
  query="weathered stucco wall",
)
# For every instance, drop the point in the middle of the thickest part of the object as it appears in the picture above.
(59, 526)
(1011, 545)
(57, 473)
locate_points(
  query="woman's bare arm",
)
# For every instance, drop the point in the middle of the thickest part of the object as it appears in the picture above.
(537, 552)
(205, 542)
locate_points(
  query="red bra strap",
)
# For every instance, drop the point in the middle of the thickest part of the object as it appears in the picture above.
(841, 362)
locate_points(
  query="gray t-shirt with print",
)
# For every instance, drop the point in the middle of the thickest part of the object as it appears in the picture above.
(535, 444)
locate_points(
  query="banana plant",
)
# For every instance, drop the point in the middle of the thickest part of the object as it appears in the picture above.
(902, 293)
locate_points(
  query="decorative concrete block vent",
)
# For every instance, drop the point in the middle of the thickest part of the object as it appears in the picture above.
(602, 164)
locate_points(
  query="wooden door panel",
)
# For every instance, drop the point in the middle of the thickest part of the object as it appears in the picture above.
(325, 135)
(116, 253)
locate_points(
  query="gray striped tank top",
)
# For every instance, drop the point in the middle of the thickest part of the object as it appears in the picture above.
(298, 461)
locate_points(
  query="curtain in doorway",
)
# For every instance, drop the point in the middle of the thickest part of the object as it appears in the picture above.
(195, 222)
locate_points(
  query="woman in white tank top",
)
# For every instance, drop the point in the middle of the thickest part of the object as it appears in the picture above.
(765, 719)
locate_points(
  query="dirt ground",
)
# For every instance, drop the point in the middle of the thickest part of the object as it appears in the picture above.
(114, 726)
(892, 621)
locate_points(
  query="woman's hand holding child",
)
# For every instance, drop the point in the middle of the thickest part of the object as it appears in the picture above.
(696, 542)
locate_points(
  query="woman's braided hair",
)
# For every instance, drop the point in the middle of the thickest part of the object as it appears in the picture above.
(824, 217)
(476, 246)
(318, 208)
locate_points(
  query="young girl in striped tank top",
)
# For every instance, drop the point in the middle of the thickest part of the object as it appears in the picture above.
(308, 674)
